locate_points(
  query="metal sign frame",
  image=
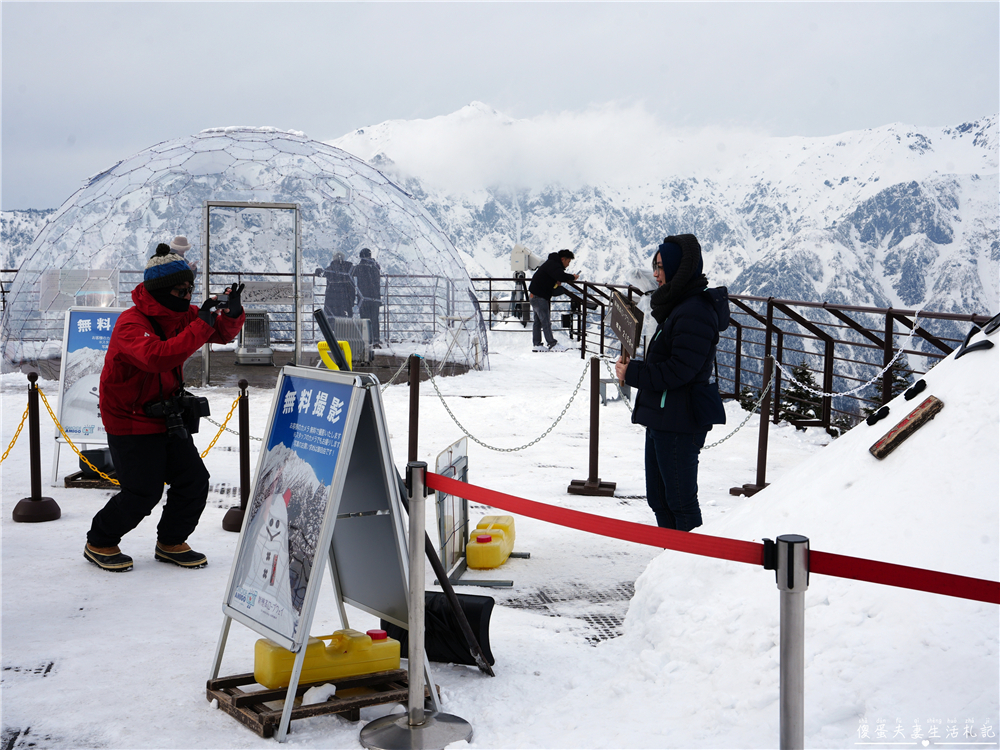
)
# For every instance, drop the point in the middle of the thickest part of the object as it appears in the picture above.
(361, 536)
(207, 207)
(453, 534)
(453, 528)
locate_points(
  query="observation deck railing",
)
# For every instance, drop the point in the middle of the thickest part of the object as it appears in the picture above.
(841, 346)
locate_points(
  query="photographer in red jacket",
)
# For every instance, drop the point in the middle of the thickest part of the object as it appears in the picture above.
(149, 417)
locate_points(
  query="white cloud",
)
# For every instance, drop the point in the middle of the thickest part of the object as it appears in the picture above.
(609, 144)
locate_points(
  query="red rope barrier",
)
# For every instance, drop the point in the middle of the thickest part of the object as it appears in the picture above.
(901, 576)
(824, 563)
(654, 536)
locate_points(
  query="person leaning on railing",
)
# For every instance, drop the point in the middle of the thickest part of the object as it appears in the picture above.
(545, 283)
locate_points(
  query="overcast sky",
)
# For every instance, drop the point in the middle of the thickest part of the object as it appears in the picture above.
(88, 84)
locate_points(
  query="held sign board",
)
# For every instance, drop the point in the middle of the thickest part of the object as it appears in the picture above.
(86, 336)
(289, 521)
(626, 322)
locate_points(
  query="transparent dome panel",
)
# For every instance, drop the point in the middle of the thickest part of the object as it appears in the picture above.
(344, 205)
(208, 162)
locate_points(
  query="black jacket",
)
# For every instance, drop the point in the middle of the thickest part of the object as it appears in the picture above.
(547, 276)
(673, 381)
(367, 274)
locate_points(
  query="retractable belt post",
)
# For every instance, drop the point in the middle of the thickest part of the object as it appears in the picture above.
(790, 560)
(418, 727)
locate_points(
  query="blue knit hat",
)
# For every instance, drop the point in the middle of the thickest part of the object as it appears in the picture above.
(166, 270)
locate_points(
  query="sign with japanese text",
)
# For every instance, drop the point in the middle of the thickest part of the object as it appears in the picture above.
(626, 322)
(297, 487)
(86, 336)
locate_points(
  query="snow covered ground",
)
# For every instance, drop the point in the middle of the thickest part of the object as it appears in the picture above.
(100, 660)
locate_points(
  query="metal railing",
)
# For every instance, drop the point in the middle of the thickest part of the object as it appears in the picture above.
(6, 280)
(842, 347)
(413, 306)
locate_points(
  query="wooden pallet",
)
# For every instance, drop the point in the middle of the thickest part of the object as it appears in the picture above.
(80, 481)
(260, 710)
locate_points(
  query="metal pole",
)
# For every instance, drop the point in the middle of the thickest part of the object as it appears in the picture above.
(419, 729)
(593, 484)
(765, 411)
(233, 520)
(414, 373)
(36, 508)
(244, 445)
(415, 638)
(792, 575)
(297, 286)
(595, 417)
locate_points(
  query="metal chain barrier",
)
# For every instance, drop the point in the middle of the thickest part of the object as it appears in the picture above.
(756, 408)
(70, 442)
(861, 387)
(223, 427)
(83, 458)
(227, 429)
(401, 368)
(621, 392)
(18, 432)
(764, 391)
(491, 447)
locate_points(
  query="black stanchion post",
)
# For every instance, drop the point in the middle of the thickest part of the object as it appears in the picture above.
(765, 421)
(593, 484)
(233, 520)
(36, 508)
(414, 373)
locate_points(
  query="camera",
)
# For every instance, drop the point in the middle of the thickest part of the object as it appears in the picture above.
(221, 300)
(181, 412)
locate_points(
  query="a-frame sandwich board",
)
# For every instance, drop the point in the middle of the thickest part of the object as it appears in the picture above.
(325, 490)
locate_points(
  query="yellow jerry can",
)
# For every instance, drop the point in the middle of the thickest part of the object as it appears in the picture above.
(491, 542)
(348, 653)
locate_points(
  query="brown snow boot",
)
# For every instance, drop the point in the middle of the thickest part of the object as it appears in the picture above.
(180, 554)
(108, 558)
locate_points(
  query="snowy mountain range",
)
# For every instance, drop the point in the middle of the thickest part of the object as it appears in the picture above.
(894, 216)
(900, 215)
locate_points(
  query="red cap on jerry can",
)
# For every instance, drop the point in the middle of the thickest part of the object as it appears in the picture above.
(484, 538)
(377, 635)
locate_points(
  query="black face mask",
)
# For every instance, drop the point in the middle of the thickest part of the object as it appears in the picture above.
(170, 301)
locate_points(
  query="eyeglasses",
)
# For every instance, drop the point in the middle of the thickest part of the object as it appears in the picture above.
(657, 266)
(182, 290)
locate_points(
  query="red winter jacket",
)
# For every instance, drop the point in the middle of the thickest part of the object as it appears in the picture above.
(139, 365)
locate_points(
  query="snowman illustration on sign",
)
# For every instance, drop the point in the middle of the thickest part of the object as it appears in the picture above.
(268, 572)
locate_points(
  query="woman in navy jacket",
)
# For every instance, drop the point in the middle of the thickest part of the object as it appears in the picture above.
(676, 402)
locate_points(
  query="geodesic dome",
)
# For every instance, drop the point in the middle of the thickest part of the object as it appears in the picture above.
(94, 248)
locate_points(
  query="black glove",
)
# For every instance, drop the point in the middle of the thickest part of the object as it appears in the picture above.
(207, 311)
(235, 308)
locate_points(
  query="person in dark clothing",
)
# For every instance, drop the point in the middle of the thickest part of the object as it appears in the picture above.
(140, 382)
(368, 277)
(340, 293)
(545, 283)
(676, 402)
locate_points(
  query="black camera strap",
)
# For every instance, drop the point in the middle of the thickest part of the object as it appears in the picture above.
(178, 370)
